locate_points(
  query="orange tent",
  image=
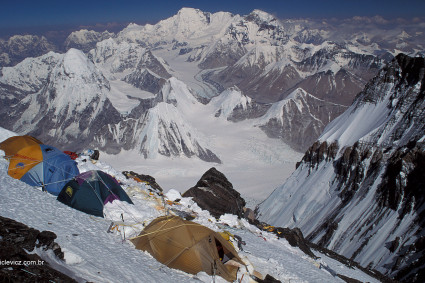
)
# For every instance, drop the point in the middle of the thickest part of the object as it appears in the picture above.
(23, 160)
(12, 145)
(40, 165)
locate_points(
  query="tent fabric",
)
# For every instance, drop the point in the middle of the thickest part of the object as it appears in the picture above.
(188, 246)
(43, 165)
(90, 191)
(12, 145)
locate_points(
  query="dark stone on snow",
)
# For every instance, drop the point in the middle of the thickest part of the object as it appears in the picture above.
(348, 279)
(144, 178)
(268, 279)
(17, 265)
(295, 238)
(215, 193)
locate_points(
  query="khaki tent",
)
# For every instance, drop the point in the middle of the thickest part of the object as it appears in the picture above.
(189, 246)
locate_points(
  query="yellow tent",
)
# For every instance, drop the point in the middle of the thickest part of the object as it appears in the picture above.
(189, 246)
(12, 145)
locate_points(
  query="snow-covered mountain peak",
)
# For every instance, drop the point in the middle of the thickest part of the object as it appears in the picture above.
(404, 35)
(83, 36)
(230, 99)
(177, 93)
(188, 25)
(116, 57)
(280, 110)
(188, 15)
(86, 40)
(31, 73)
(299, 118)
(261, 17)
(76, 63)
(75, 82)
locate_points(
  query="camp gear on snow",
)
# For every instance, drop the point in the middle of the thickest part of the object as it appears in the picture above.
(227, 236)
(90, 191)
(240, 242)
(92, 153)
(71, 154)
(12, 145)
(42, 165)
(188, 246)
(95, 155)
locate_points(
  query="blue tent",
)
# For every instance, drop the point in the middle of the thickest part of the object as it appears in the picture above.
(90, 191)
(49, 167)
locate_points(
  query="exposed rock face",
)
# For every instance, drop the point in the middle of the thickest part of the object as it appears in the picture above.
(359, 189)
(19, 47)
(215, 193)
(16, 240)
(149, 74)
(319, 152)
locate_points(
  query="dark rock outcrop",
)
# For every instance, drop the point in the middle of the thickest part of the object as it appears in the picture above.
(143, 178)
(215, 193)
(16, 240)
(295, 238)
(319, 152)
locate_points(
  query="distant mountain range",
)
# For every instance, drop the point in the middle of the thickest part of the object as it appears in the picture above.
(100, 92)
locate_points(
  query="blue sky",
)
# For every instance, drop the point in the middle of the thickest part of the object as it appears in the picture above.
(30, 13)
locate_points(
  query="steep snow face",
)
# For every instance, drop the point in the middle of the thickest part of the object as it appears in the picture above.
(165, 128)
(383, 118)
(357, 190)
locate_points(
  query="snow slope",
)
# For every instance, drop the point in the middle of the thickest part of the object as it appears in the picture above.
(92, 254)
